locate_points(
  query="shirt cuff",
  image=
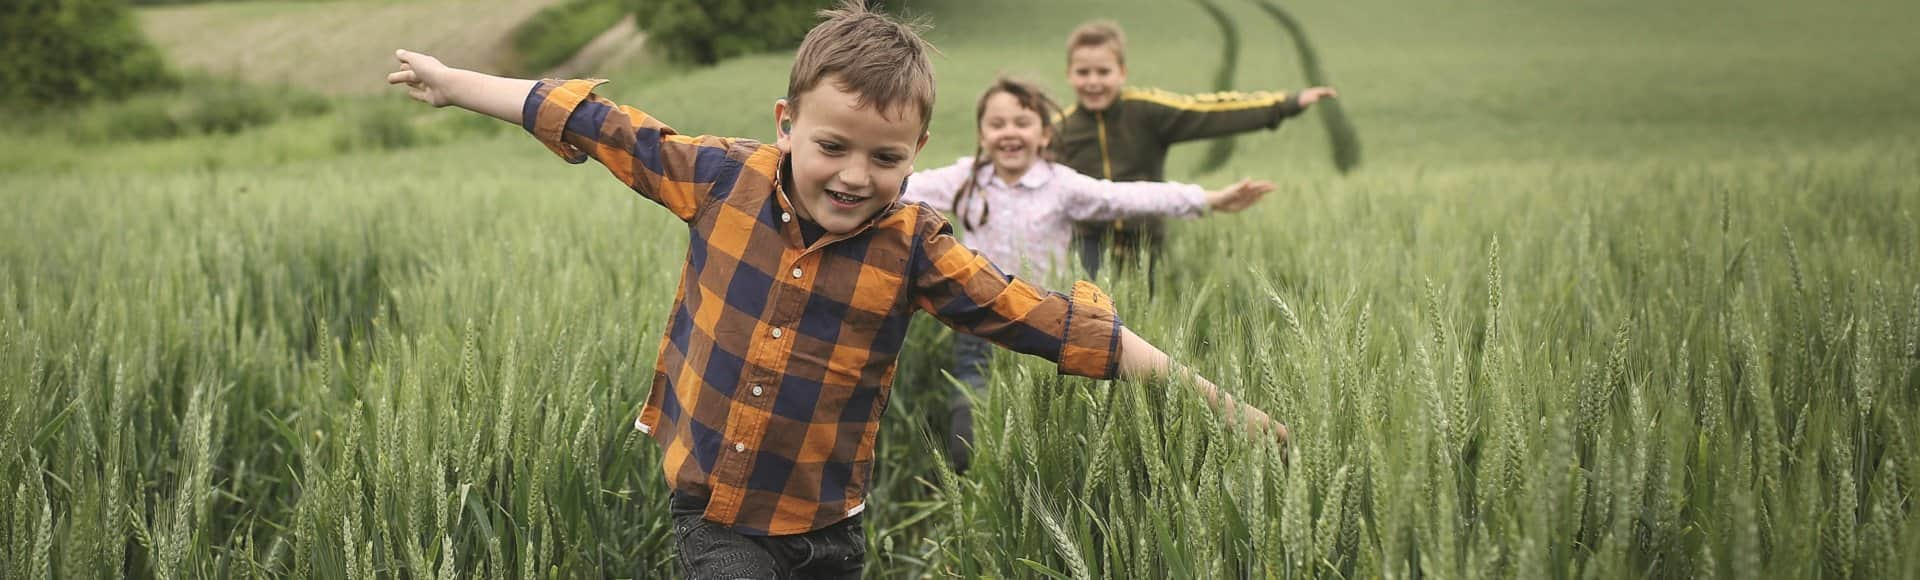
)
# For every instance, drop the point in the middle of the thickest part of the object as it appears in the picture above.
(548, 106)
(1195, 199)
(1290, 106)
(1092, 345)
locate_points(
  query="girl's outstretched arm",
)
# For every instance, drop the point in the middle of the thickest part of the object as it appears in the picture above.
(935, 187)
(1093, 199)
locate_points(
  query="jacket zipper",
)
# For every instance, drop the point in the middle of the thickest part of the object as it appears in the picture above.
(1100, 124)
(1106, 163)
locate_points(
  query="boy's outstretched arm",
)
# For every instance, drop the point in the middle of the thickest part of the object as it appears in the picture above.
(1140, 359)
(437, 84)
(1313, 95)
(677, 171)
(1177, 118)
(1079, 331)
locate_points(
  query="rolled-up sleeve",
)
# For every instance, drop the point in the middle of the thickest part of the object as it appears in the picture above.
(549, 105)
(682, 173)
(1080, 332)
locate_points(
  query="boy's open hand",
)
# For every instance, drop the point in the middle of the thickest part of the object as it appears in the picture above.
(1258, 424)
(426, 79)
(1313, 95)
(1238, 196)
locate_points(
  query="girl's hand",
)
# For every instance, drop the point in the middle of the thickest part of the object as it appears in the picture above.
(1313, 95)
(1238, 196)
(427, 80)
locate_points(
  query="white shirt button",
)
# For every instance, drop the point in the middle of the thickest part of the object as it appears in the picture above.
(776, 333)
(797, 273)
(757, 390)
(739, 447)
(785, 217)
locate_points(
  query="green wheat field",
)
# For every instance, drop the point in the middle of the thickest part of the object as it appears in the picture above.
(1620, 289)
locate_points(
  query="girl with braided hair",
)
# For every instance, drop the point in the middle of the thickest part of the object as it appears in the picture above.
(1019, 208)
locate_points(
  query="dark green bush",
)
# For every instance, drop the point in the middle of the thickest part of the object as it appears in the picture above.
(56, 52)
(706, 31)
(561, 30)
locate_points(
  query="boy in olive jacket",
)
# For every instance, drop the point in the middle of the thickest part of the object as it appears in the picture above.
(1121, 133)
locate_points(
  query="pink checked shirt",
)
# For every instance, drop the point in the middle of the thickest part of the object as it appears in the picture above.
(1030, 227)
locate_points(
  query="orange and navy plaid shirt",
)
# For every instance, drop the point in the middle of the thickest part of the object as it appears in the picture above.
(779, 355)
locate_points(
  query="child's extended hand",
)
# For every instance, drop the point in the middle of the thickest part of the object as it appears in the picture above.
(1139, 358)
(1313, 95)
(1259, 424)
(426, 78)
(1238, 196)
(433, 83)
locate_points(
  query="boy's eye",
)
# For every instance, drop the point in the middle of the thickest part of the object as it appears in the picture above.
(887, 160)
(831, 147)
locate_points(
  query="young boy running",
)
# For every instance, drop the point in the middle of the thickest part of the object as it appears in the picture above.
(802, 271)
(1120, 133)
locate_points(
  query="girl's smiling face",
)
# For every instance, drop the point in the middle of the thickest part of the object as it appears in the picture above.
(1011, 135)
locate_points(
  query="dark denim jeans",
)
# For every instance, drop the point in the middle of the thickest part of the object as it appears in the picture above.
(1128, 247)
(710, 550)
(970, 357)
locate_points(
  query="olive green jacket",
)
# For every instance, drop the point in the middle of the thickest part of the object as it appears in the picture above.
(1128, 141)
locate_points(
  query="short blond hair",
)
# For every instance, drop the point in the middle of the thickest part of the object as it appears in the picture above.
(882, 61)
(1099, 33)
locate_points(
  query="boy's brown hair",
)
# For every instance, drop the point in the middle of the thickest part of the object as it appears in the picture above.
(1105, 33)
(880, 60)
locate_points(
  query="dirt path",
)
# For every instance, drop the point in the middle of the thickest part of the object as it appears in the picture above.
(612, 50)
(341, 48)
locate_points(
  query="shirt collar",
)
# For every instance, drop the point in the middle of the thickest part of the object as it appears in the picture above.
(791, 229)
(1035, 178)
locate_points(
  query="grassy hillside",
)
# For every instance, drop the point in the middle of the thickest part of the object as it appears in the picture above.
(1623, 289)
(341, 47)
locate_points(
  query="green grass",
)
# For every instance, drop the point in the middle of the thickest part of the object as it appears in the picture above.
(1621, 290)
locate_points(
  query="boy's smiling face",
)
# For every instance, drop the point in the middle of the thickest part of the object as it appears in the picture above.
(1096, 74)
(849, 160)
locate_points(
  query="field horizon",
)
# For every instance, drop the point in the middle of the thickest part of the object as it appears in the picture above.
(1620, 289)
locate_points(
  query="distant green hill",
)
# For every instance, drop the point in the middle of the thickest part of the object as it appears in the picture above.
(340, 48)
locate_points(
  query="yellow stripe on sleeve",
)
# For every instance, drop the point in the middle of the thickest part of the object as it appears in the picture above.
(1207, 102)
